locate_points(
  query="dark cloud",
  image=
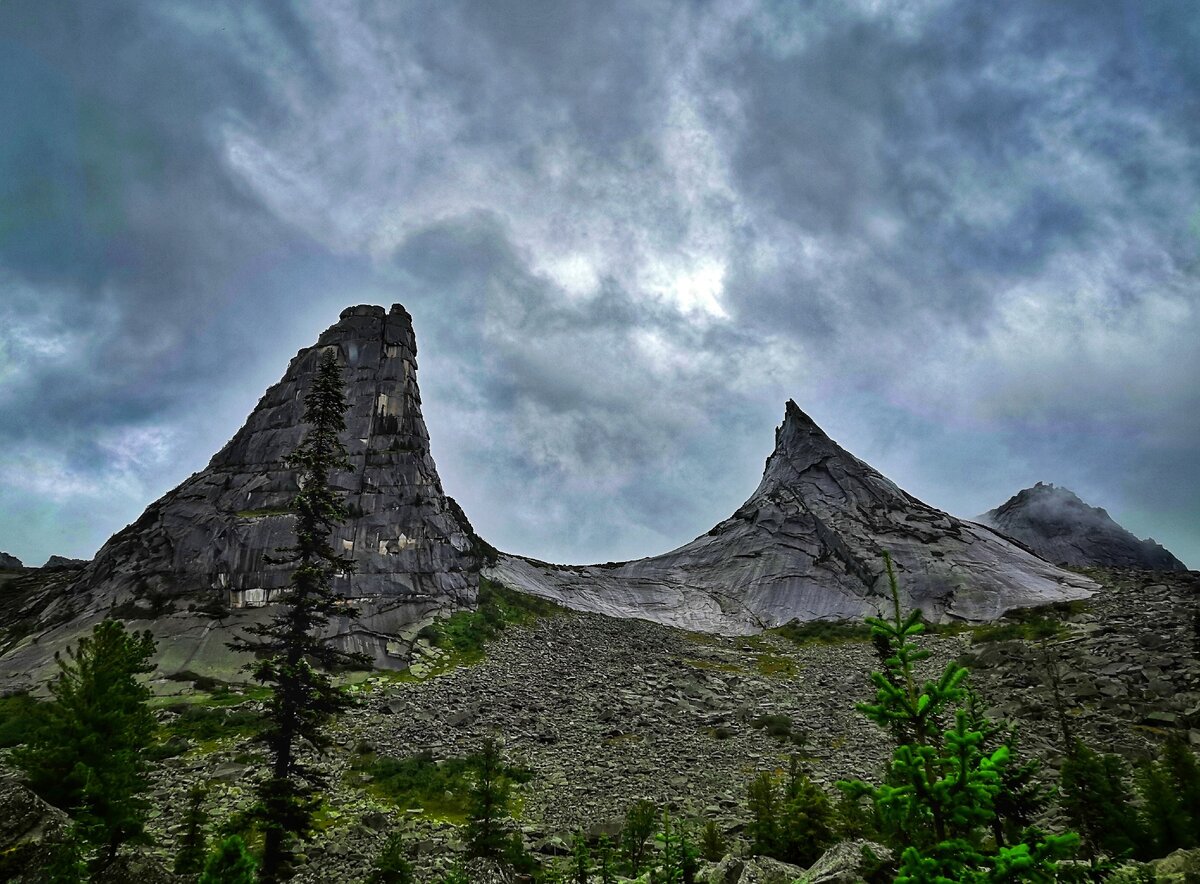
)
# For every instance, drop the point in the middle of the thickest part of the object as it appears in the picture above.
(966, 239)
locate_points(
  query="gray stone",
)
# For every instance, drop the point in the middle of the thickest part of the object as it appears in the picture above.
(10, 563)
(1061, 528)
(808, 545)
(65, 563)
(847, 862)
(29, 831)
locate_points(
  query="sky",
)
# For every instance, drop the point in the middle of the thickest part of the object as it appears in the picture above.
(963, 236)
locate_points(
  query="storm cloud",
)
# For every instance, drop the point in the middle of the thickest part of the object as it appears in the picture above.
(965, 239)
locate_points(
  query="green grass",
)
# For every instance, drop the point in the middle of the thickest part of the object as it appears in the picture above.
(775, 666)
(207, 726)
(824, 632)
(1029, 624)
(418, 782)
(18, 716)
(465, 633)
(265, 511)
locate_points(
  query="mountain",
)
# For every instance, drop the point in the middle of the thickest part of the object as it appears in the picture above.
(203, 547)
(9, 562)
(1060, 527)
(195, 566)
(807, 545)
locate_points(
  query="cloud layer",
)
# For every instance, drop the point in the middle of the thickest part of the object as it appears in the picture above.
(967, 240)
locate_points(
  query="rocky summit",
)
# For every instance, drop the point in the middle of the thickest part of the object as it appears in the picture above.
(809, 545)
(204, 547)
(1059, 527)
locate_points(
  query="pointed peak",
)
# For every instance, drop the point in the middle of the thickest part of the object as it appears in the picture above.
(798, 430)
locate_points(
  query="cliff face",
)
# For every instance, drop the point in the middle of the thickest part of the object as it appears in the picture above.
(1061, 528)
(205, 544)
(807, 545)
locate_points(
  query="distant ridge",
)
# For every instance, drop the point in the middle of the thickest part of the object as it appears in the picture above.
(807, 545)
(1061, 528)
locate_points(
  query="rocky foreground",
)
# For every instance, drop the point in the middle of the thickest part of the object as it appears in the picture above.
(604, 711)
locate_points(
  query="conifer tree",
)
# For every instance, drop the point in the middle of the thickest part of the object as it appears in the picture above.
(86, 752)
(192, 850)
(940, 792)
(392, 865)
(712, 842)
(604, 859)
(640, 820)
(1095, 794)
(294, 656)
(489, 799)
(230, 863)
(581, 860)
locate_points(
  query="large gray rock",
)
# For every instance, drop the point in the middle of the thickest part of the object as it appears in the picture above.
(205, 544)
(848, 862)
(1059, 527)
(64, 562)
(751, 870)
(809, 545)
(30, 831)
(10, 563)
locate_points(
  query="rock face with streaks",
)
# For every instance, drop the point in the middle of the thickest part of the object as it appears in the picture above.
(205, 545)
(1061, 528)
(809, 545)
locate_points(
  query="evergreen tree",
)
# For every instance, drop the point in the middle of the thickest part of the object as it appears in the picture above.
(193, 848)
(712, 842)
(640, 820)
(489, 797)
(1020, 798)
(294, 656)
(1095, 797)
(604, 858)
(1170, 790)
(792, 821)
(940, 791)
(86, 753)
(230, 863)
(581, 860)
(392, 865)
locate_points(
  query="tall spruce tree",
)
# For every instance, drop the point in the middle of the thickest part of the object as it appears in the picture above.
(294, 654)
(86, 752)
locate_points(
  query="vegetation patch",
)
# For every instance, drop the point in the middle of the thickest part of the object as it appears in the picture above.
(713, 666)
(824, 632)
(265, 511)
(208, 726)
(780, 727)
(1029, 624)
(18, 716)
(465, 633)
(440, 789)
(773, 665)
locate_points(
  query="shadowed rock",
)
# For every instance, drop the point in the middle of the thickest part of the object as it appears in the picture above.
(809, 545)
(1061, 528)
(10, 563)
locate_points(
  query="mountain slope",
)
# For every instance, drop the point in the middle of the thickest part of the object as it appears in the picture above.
(1060, 527)
(807, 545)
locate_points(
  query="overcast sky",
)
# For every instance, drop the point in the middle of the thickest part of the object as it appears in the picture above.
(963, 236)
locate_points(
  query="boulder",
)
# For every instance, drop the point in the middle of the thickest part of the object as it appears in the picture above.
(848, 862)
(30, 830)
(751, 870)
(1180, 867)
